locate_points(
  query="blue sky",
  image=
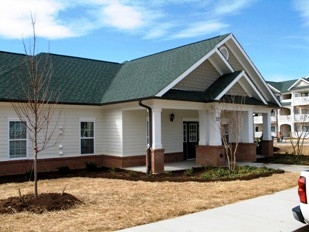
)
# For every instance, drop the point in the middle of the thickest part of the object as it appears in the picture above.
(274, 33)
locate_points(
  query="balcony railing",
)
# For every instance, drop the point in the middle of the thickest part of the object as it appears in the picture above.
(259, 119)
(301, 101)
(296, 118)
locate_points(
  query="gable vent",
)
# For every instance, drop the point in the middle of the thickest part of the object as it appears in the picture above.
(225, 52)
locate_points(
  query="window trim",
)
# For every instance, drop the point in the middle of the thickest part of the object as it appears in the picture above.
(9, 140)
(88, 120)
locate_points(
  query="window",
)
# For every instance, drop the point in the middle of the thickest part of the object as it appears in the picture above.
(87, 137)
(17, 139)
(224, 52)
(273, 129)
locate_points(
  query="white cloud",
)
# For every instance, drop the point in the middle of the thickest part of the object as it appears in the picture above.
(200, 28)
(231, 6)
(302, 6)
(151, 19)
(122, 16)
(15, 17)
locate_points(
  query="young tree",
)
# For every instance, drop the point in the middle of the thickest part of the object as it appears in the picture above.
(38, 110)
(231, 131)
(301, 132)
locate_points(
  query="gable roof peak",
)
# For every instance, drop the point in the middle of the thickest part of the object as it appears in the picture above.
(219, 37)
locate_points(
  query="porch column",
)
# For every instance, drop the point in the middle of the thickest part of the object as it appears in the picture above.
(210, 150)
(214, 120)
(157, 152)
(203, 127)
(247, 127)
(246, 151)
(267, 142)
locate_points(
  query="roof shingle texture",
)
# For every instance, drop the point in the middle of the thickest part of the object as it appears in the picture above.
(86, 81)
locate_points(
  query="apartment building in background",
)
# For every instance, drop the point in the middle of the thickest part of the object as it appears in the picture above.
(293, 117)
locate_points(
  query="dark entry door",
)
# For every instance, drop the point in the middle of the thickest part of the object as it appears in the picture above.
(190, 139)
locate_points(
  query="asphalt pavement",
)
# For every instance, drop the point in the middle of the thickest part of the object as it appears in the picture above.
(266, 213)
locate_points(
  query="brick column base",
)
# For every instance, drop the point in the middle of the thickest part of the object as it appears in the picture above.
(267, 147)
(246, 152)
(210, 155)
(157, 160)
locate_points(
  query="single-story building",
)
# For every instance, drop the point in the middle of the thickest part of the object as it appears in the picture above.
(165, 107)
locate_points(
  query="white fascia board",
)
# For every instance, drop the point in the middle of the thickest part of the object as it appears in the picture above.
(242, 74)
(186, 73)
(225, 61)
(229, 86)
(272, 87)
(298, 81)
(254, 68)
(193, 67)
(255, 89)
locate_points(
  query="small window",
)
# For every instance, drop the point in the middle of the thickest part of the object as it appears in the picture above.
(273, 129)
(224, 52)
(17, 139)
(87, 137)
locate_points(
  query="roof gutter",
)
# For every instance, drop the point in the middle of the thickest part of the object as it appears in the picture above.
(148, 163)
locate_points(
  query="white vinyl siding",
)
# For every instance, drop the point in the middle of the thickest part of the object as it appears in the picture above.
(134, 136)
(172, 132)
(112, 136)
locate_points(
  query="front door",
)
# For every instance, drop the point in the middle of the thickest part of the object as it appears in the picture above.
(190, 139)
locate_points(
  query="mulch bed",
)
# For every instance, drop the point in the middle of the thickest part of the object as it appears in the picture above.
(43, 203)
(55, 201)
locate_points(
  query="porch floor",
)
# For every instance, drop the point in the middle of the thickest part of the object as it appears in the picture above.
(182, 165)
(175, 166)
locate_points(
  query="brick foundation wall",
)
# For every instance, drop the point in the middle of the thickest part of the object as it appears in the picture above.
(16, 167)
(210, 156)
(173, 157)
(246, 152)
(267, 148)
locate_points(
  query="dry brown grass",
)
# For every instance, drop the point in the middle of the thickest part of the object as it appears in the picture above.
(286, 147)
(115, 204)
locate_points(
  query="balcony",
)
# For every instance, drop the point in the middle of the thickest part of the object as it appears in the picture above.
(259, 119)
(297, 118)
(285, 118)
(301, 101)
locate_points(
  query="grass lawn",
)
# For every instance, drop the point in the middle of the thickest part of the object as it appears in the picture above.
(112, 204)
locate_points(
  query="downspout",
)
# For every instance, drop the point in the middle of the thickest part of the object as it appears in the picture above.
(148, 171)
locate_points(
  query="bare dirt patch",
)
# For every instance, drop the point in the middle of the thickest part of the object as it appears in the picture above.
(112, 204)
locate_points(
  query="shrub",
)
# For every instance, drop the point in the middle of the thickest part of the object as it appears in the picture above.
(90, 166)
(64, 170)
(29, 175)
(188, 172)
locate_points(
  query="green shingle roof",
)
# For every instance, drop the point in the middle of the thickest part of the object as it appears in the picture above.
(220, 84)
(145, 77)
(282, 86)
(78, 80)
(86, 81)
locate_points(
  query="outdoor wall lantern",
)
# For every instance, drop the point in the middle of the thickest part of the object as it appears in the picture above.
(172, 116)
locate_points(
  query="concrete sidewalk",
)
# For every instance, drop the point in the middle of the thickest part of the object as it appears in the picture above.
(266, 213)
